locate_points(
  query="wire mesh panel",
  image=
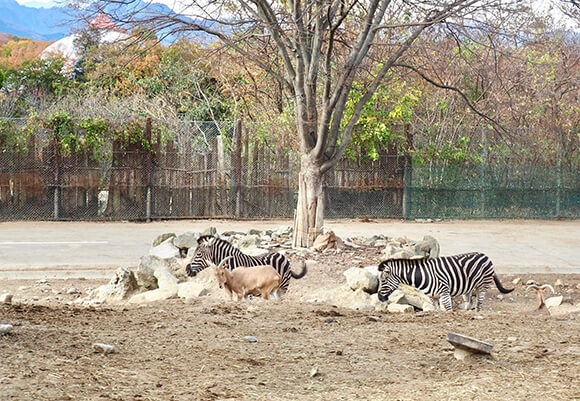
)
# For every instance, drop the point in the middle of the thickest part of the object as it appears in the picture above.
(180, 169)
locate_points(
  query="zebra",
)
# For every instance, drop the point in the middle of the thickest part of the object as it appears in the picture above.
(212, 250)
(445, 277)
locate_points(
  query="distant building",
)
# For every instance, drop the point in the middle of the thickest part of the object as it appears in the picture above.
(67, 48)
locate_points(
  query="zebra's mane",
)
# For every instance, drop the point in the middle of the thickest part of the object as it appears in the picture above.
(418, 261)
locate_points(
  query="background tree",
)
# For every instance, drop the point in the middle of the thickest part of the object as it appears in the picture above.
(316, 50)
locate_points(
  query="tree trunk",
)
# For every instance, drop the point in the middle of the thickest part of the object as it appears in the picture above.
(310, 209)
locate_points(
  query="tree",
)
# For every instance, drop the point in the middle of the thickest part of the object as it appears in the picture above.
(316, 50)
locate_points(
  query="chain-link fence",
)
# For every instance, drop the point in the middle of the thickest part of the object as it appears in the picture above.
(190, 169)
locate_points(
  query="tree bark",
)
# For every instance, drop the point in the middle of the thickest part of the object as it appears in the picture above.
(310, 211)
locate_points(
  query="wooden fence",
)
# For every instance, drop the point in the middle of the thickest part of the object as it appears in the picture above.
(234, 176)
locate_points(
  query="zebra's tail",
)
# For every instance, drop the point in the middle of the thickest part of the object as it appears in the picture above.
(499, 286)
(301, 274)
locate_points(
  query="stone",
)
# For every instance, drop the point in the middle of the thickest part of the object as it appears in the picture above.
(104, 348)
(165, 250)
(314, 372)
(418, 299)
(553, 302)
(209, 231)
(166, 281)
(253, 231)
(396, 297)
(372, 269)
(516, 280)
(121, 286)
(192, 289)
(250, 339)
(145, 274)
(402, 254)
(152, 296)
(468, 344)
(558, 283)
(204, 283)
(249, 241)
(282, 231)
(186, 240)
(175, 266)
(327, 240)
(162, 238)
(358, 278)
(428, 247)
(6, 329)
(379, 305)
(399, 308)
(6, 298)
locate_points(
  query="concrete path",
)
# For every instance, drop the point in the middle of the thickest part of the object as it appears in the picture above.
(93, 249)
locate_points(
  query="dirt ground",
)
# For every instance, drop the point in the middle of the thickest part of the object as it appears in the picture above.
(305, 350)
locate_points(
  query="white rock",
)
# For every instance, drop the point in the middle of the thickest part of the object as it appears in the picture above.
(398, 308)
(166, 281)
(396, 297)
(165, 250)
(373, 269)
(358, 278)
(553, 302)
(558, 283)
(379, 305)
(192, 289)
(5, 329)
(121, 286)
(314, 372)
(6, 298)
(104, 348)
(152, 296)
(186, 240)
(516, 280)
(250, 339)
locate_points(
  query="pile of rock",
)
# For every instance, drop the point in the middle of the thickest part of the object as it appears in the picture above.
(161, 273)
(364, 283)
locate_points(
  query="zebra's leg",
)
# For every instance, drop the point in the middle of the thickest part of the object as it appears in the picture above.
(445, 301)
(480, 296)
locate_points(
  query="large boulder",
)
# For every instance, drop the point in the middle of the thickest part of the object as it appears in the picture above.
(162, 238)
(175, 265)
(327, 240)
(167, 289)
(186, 240)
(359, 278)
(407, 295)
(203, 284)
(249, 241)
(120, 287)
(428, 247)
(165, 250)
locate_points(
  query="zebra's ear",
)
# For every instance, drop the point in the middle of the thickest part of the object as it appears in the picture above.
(382, 266)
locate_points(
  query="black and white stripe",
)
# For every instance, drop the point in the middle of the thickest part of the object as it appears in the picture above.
(215, 250)
(445, 277)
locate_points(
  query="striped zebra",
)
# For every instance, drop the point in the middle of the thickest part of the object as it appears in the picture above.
(442, 277)
(214, 250)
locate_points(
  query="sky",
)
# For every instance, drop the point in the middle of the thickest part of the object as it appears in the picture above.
(536, 4)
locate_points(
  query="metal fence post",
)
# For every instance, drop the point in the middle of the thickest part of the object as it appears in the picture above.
(56, 200)
(149, 169)
(482, 170)
(407, 177)
(238, 168)
(559, 175)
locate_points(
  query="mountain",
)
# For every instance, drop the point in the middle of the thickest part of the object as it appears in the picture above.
(36, 23)
(55, 23)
